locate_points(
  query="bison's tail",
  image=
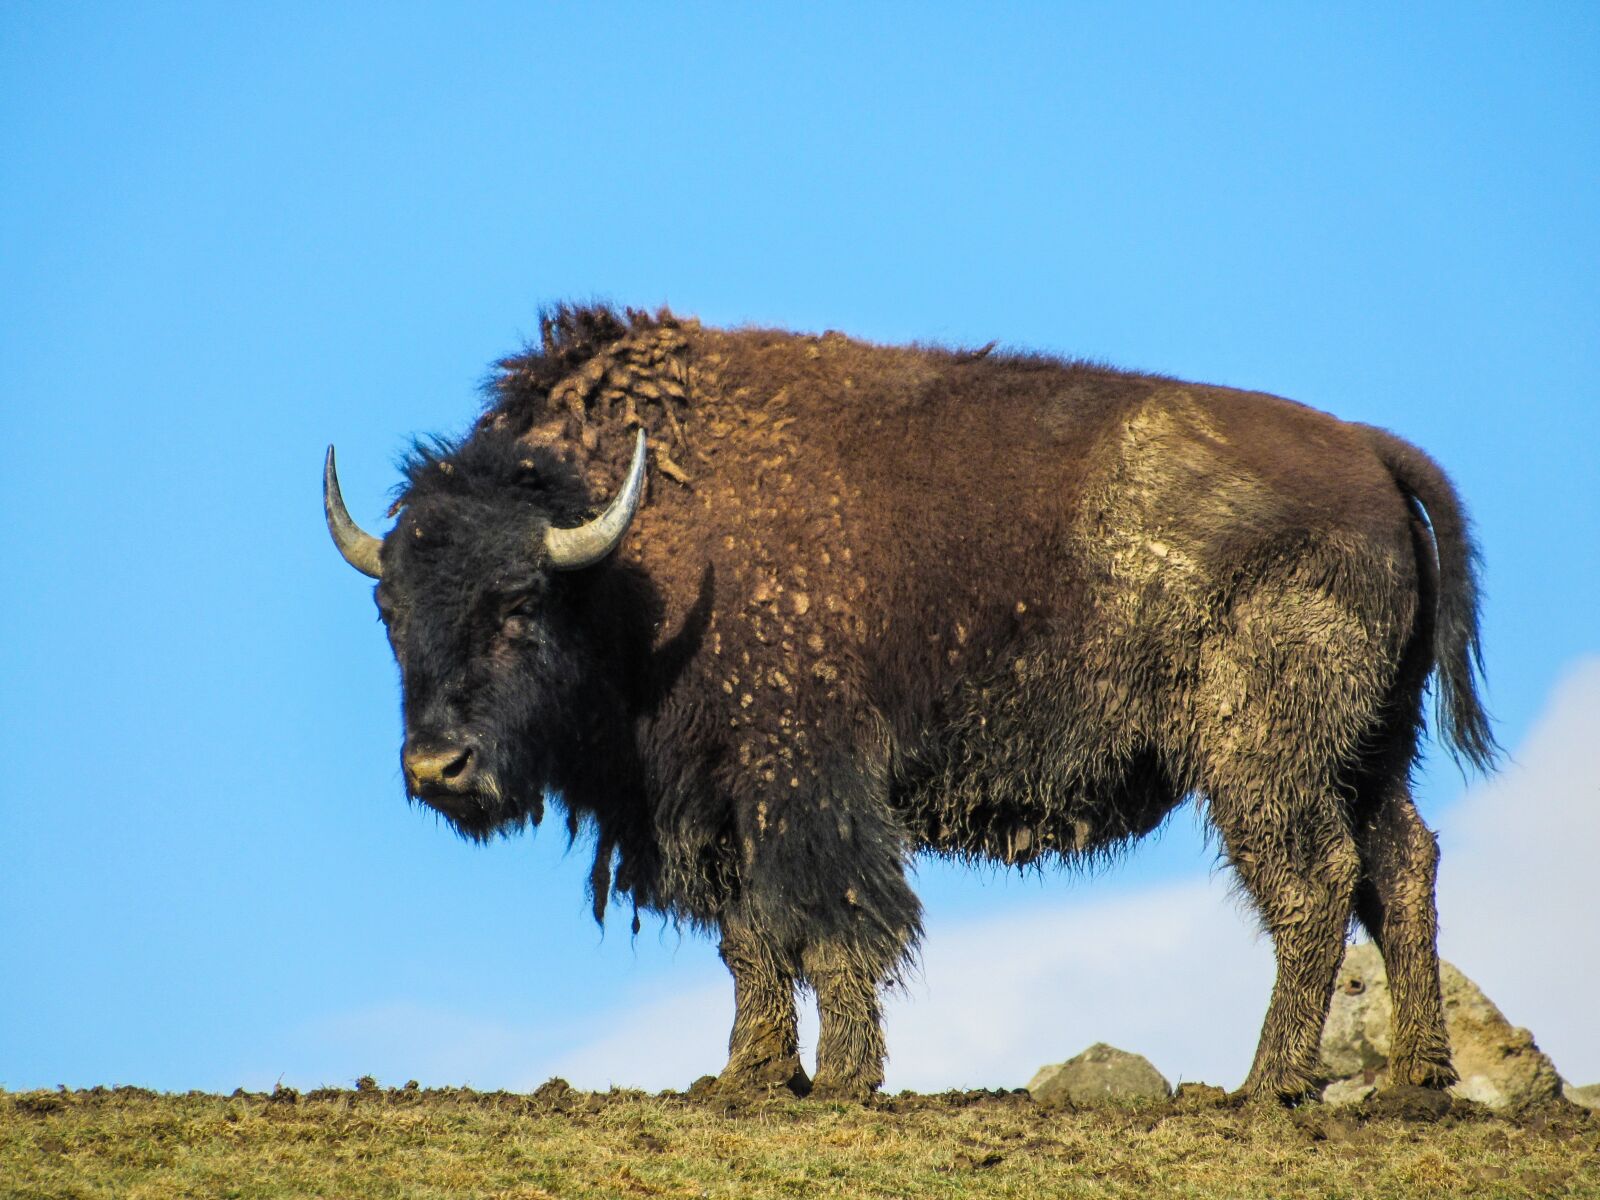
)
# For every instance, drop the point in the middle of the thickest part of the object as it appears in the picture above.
(1457, 650)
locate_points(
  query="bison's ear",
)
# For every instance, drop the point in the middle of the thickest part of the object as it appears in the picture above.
(359, 548)
(570, 549)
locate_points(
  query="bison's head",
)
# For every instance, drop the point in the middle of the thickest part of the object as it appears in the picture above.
(486, 622)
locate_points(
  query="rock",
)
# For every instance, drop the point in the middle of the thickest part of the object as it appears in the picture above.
(1348, 1091)
(1500, 1066)
(1356, 1036)
(1101, 1074)
(1588, 1096)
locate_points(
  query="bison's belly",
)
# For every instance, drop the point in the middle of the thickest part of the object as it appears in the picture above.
(1043, 761)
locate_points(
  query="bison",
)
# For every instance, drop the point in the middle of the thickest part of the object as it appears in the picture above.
(887, 600)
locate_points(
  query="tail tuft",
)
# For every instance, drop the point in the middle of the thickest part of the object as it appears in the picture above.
(1457, 646)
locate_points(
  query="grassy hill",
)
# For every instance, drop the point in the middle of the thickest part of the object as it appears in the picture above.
(371, 1142)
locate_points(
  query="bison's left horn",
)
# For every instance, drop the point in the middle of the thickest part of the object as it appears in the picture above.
(360, 549)
(570, 549)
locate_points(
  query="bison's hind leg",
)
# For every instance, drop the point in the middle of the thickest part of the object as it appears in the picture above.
(1395, 898)
(1399, 859)
(1286, 694)
(1299, 866)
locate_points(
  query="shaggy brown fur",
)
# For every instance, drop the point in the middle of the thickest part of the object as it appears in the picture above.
(884, 599)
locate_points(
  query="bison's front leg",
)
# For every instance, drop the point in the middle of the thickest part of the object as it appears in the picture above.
(823, 870)
(853, 952)
(850, 1046)
(764, 1048)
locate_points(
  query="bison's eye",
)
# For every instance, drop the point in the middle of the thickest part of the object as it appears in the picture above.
(515, 617)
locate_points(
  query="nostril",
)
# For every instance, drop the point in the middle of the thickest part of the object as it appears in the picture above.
(450, 767)
(457, 766)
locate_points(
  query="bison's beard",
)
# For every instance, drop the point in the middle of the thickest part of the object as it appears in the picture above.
(536, 739)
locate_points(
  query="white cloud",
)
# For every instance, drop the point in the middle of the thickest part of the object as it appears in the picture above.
(1176, 972)
(665, 1043)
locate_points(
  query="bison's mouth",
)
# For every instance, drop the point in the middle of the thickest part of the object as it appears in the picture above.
(456, 806)
(475, 812)
(465, 814)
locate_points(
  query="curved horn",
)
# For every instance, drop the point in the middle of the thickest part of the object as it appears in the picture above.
(360, 549)
(570, 549)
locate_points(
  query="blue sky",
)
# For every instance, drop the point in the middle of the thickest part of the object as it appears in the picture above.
(230, 234)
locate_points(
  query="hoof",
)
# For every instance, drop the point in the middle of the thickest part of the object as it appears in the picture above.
(1437, 1076)
(1283, 1093)
(847, 1091)
(790, 1079)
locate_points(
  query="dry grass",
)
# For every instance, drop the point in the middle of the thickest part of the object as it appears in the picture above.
(132, 1144)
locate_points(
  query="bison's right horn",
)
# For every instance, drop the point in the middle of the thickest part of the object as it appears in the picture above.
(360, 549)
(570, 549)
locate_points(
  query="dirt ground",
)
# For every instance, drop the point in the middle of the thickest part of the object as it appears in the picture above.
(556, 1141)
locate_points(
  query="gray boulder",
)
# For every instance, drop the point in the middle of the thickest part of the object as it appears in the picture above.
(1499, 1065)
(1355, 1038)
(1101, 1074)
(1348, 1091)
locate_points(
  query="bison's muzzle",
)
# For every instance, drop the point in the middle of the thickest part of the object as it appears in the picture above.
(443, 773)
